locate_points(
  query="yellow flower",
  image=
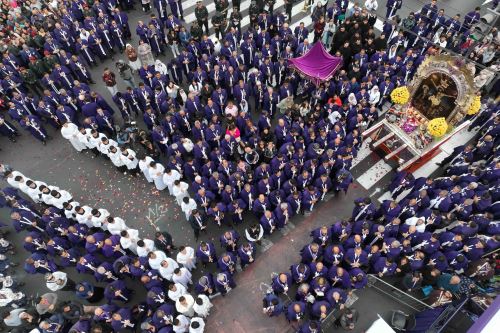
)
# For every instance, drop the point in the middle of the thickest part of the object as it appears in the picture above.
(475, 106)
(400, 95)
(437, 127)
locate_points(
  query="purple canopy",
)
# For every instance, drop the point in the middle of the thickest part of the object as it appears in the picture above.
(317, 64)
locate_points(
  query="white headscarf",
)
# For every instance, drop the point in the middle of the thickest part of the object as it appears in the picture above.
(161, 67)
(374, 95)
(352, 99)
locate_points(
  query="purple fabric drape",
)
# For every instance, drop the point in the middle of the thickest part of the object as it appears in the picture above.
(317, 64)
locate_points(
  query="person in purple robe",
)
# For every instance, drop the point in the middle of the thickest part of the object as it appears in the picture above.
(206, 253)
(205, 285)
(300, 273)
(227, 263)
(296, 311)
(224, 283)
(117, 291)
(272, 305)
(38, 263)
(34, 125)
(311, 253)
(95, 242)
(281, 283)
(122, 321)
(384, 267)
(358, 278)
(356, 257)
(246, 253)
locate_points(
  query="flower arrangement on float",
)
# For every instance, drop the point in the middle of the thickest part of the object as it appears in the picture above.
(475, 106)
(437, 127)
(400, 95)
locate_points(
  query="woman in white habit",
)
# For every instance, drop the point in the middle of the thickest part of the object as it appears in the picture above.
(202, 305)
(374, 96)
(186, 257)
(161, 67)
(70, 132)
(156, 173)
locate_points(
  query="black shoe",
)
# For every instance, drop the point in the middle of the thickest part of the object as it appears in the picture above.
(12, 139)
(44, 142)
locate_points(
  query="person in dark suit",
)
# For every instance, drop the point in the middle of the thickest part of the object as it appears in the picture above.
(198, 222)
(163, 242)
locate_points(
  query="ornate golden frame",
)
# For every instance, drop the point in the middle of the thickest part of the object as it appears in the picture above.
(454, 67)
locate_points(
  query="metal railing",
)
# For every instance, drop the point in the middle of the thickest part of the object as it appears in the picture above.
(444, 318)
(397, 294)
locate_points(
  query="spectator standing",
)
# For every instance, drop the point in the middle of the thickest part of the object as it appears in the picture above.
(109, 79)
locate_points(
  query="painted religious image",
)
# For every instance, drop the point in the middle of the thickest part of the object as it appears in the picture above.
(436, 96)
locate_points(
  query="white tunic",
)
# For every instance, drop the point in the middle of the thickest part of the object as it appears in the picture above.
(97, 221)
(104, 148)
(166, 272)
(180, 192)
(70, 132)
(144, 167)
(156, 174)
(86, 217)
(130, 242)
(184, 277)
(70, 213)
(155, 263)
(11, 180)
(95, 142)
(183, 324)
(33, 193)
(58, 202)
(187, 309)
(116, 158)
(188, 259)
(130, 160)
(188, 208)
(204, 309)
(83, 138)
(200, 329)
(180, 291)
(149, 246)
(116, 227)
(169, 179)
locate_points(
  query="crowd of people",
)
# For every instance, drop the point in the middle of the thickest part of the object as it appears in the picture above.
(435, 239)
(66, 234)
(201, 141)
